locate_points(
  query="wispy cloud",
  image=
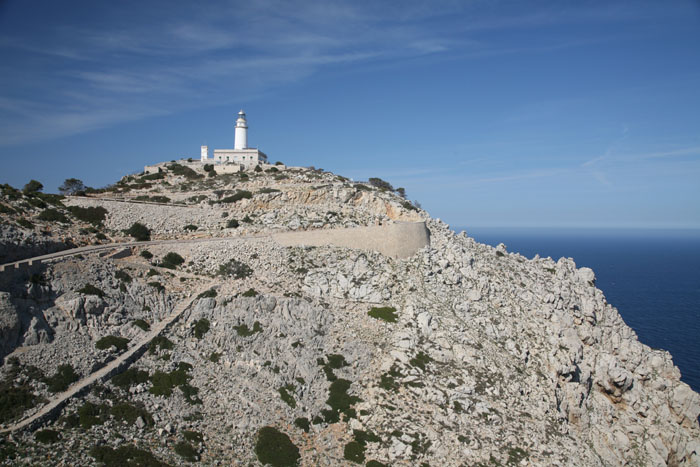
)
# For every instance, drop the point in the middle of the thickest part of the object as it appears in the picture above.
(158, 57)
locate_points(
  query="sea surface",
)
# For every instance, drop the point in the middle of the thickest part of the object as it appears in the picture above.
(651, 276)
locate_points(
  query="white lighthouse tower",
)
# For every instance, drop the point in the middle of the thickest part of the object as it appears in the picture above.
(241, 136)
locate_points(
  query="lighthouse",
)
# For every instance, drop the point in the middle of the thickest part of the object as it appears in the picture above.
(241, 136)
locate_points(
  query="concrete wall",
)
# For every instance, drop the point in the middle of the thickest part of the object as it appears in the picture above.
(227, 168)
(397, 239)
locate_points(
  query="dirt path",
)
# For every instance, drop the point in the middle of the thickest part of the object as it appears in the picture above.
(112, 368)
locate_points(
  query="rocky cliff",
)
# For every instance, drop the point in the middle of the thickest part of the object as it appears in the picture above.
(461, 354)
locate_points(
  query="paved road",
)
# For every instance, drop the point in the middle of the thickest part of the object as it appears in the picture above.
(112, 246)
(108, 370)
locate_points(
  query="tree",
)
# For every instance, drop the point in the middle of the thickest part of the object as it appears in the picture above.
(32, 187)
(402, 192)
(381, 184)
(71, 186)
(139, 231)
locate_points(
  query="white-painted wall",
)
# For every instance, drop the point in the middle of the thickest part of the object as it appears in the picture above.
(205, 153)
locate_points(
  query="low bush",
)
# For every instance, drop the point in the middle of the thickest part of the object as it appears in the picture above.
(303, 423)
(126, 412)
(286, 396)
(147, 254)
(201, 327)
(275, 448)
(232, 224)
(386, 313)
(193, 436)
(65, 376)
(157, 285)
(22, 222)
(130, 377)
(46, 436)
(381, 184)
(125, 455)
(235, 269)
(239, 195)
(154, 176)
(268, 190)
(139, 232)
(190, 227)
(409, 206)
(250, 293)
(172, 260)
(143, 324)
(93, 215)
(89, 289)
(244, 331)
(186, 451)
(121, 343)
(211, 293)
(214, 357)
(53, 215)
(123, 276)
(354, 452)
(247, 219)
(160, 342)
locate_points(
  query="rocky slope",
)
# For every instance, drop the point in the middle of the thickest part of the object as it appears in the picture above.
(462, 354)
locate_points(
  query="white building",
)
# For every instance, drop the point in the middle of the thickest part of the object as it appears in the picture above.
(241, 154)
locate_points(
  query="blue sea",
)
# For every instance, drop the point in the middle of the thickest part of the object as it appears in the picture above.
(651, 276)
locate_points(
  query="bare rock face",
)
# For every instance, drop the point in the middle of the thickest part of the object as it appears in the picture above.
(461, 354)
(10, 324)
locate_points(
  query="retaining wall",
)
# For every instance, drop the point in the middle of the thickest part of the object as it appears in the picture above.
(396, 239)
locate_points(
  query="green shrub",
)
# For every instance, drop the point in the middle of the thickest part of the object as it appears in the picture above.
(354, 452)
(139, 232)
(386, 313)
(154, 176)
(65, 376)
(121, 343)
(235, 269)
(46, 436)
(420, 360)
(336, 361)
(93, 215)
(303, 423)
(275, 448)
(247, 219)
(239, 195)
(53, 215)
(287, 397)
(89, 289)
(22, 222)
(123, 276)
(374, 463)
(160, 342)
(208, 167)
(190, 227)
(214, 357)
(147, 254)
(201, 327)
(125, 455)
(244, 331)
(14, 400)
(152, 272)
(172, 260)
(129, 413)
(90, 414)
(268, 190)
(157, 285)
(193, 436)
(409, 206)
(250, 293)
(130, 377)
(141, 323)
(211, 293)
(232, 224)
(186, 451)
(339, 400)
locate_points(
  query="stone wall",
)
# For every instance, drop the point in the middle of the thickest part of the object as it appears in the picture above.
(397, 239)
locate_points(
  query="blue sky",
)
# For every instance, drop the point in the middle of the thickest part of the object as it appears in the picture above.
(490, 113)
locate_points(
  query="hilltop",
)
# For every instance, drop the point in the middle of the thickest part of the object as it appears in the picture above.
(278, 351)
